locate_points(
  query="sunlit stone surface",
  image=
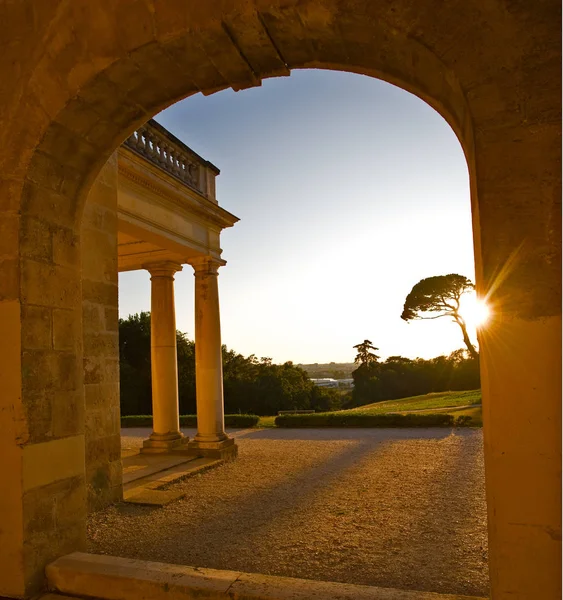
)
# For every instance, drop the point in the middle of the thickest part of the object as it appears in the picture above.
(79, 77)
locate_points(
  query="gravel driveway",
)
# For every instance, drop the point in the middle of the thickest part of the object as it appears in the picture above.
(400, 508)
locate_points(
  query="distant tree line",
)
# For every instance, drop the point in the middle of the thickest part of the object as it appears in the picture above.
(400, 377)
(258, 386)
(251, 385)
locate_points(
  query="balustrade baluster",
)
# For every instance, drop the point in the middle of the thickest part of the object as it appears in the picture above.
(150, 146)
(139, 139)
(166, 155)
(164, 150)
(173, 162)
(177, 164)
(171, 159)
(183, 167)
(159, 155)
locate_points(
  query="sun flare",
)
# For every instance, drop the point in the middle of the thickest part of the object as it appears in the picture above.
(474, 310)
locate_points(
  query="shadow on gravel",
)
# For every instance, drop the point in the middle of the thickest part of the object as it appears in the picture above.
(435, 539)
(230, 522)
(455, 491)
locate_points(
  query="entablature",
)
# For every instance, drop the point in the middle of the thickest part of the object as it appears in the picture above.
(166, 200)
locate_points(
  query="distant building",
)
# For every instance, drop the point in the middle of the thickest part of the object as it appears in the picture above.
(325, 382)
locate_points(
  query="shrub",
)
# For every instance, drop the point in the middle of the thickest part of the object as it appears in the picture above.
(241, 420)
(136, 421)
(190, 421)
(358, 419)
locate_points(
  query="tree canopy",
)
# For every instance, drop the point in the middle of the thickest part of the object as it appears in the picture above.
(251, 385)
(365, 356)
(257, 385)
(401, 377)
(439, 296)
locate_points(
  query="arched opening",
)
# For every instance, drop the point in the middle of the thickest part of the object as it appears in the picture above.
(89, 90)
(299, 170)
(352, 193)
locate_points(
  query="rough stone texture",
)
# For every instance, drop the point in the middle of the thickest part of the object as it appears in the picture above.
(390, 508)
(100, 338)
(60, 507)
(78, 77)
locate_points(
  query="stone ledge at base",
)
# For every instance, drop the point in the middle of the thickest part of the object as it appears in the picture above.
(112, 578)
(149, 490)
(153, 445)
(226, 450)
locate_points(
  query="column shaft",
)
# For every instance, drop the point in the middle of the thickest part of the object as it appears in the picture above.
(164, 366)
(211, 437)
(208, 358)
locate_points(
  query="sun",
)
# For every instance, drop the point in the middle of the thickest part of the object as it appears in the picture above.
(474, 310)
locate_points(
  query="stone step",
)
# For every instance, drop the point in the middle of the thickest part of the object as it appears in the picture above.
(112, 578)
(143, 465)
(148, 490)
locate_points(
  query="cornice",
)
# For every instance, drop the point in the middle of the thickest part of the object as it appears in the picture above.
(167, 193)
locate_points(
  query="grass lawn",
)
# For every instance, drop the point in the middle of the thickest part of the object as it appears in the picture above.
(438, 400)
(451, 403)
(429, 403)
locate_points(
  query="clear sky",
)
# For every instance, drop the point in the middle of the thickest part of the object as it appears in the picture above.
(349, 191)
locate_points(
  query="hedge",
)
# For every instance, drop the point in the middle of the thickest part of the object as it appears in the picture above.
(358, 419)
(241, 420)
(190, 421)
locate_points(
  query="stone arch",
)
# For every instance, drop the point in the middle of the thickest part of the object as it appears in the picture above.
(148, 79)
(92, 72)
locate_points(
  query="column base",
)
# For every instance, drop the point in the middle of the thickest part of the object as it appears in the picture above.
(225, 449)
(160, 444)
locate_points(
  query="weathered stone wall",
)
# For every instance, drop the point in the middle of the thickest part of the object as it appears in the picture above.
(100, 335)
(43, 494)
(77, 78)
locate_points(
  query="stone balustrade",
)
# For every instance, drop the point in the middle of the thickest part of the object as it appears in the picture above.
(164, 150)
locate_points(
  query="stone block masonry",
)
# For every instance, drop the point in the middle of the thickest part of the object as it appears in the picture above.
(101, 341)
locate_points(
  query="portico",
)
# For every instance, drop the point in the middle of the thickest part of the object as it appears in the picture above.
(168, 217)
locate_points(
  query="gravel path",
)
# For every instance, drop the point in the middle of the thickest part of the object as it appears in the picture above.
(399, 508)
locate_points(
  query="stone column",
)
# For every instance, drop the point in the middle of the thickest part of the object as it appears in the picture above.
(166, 433)
(211, 439)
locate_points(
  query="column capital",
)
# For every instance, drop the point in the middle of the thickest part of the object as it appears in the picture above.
(163, 268)
(207, 265)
